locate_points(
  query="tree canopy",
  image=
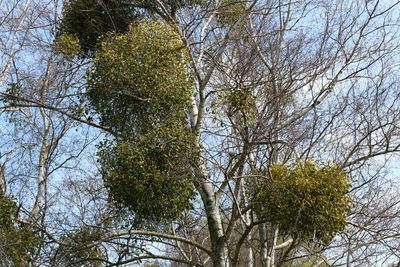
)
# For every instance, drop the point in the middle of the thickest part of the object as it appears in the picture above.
(199, 133)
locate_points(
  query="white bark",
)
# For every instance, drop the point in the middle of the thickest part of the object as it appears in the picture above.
(42, 168)
(264, 245)
(3, 186)
(218, 246)
(249, 253)
(44, 149)
(272, 248)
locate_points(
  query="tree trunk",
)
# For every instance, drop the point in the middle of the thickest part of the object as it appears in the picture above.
(42, 169)
(271, 248)
(263, 240)
(218, 243)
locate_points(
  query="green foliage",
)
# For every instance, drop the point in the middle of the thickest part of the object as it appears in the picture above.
(151, 176)
(80, 250)
(140, 80)
(91, 20)
(13, 89)
(230, 11)
(305, 199)
(68, 45)
(240, 99)
(9, 212)
(141, 89)
(17, 241)
(241, 105)
(88, 20)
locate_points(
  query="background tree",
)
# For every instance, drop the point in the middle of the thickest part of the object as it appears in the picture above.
(38, 145)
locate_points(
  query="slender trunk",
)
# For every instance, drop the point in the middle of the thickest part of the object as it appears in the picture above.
(218, 244)
(214, 221)
(264, 246)
(45, 147)
(210, 202)
(271, 249)
(348, 257)
(42, 168)
(249, 253)
(3, 185)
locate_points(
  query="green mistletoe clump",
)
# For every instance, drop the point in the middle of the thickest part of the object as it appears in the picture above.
(305, 199)
(141, 88)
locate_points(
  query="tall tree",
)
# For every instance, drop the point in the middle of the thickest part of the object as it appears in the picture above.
(231, 128)
(276, 82)
(37, 143)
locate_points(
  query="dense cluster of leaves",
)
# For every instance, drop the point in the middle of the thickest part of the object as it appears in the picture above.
(91, 20)
(88, 20)
(230, 11)
(240, 100)
(140, 80)
(80, 248)
(151, 176)
(17, 241)
(68, 45)
(305, 199)
(141, 89)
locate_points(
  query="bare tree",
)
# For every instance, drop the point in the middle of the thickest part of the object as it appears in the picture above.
(320, 83)
(38, 145)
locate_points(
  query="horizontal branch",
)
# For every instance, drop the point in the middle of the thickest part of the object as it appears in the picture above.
(284, 244)
(36, 104)
(189, 263)
(156, 234)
